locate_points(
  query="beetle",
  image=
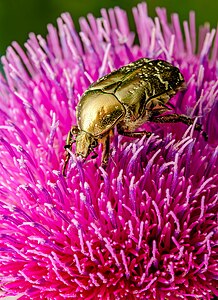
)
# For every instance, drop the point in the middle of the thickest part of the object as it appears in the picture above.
(126, 98)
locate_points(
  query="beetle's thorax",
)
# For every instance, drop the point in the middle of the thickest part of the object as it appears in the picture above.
(98, 112)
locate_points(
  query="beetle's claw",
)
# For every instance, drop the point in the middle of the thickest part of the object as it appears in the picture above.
(198, 127)
(204, 134)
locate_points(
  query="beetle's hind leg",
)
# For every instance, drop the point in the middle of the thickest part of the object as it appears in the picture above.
(175, 118)
(69, 142)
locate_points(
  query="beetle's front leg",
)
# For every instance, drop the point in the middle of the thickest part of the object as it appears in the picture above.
(135, 134)
(106, 150)
(69, 142)
(174, 118)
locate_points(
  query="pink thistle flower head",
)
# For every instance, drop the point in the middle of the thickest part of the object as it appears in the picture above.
(144, 228)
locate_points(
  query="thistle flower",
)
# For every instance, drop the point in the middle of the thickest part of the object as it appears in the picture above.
(144, 228)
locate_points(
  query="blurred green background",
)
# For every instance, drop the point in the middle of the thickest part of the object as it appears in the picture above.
(19, 17)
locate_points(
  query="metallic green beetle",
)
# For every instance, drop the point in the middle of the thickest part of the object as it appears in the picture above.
(125, 98)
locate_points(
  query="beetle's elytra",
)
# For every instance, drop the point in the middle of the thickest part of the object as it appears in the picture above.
(125, 98)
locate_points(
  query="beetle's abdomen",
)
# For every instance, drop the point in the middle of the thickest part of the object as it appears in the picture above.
(98, 112)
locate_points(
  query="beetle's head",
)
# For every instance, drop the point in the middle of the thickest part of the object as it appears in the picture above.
(85, 143)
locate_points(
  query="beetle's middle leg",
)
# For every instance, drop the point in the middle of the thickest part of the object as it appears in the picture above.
(134, 134)
(175, 118)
